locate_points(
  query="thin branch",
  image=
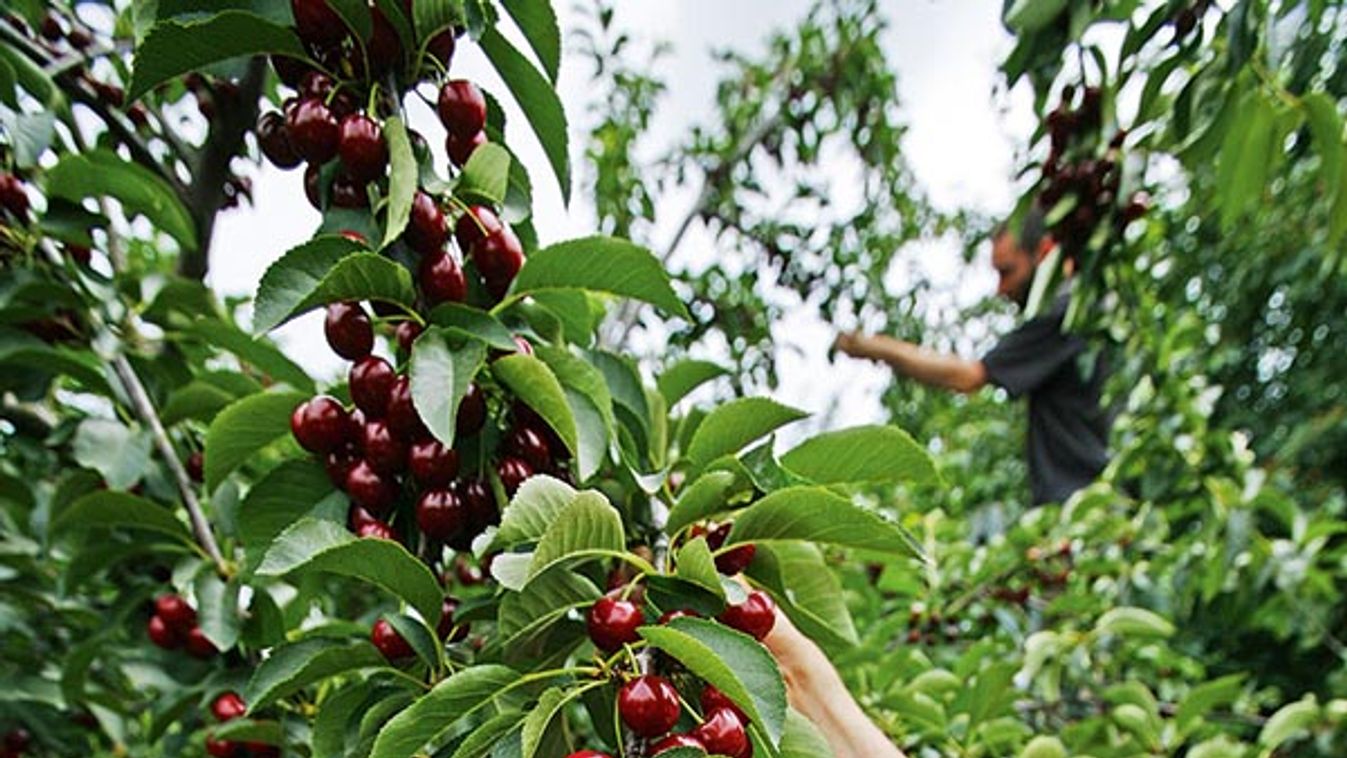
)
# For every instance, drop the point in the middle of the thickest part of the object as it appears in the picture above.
(144, 409)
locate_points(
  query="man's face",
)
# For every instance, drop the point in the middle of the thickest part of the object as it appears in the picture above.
(1014, 269)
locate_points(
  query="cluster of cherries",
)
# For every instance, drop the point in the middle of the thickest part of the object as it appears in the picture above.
(227, 707)
(173, 625)
(1072, 170)
(16, 743)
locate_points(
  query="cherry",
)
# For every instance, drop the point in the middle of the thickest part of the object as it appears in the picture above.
(522, 345)
(441, 279)
(313, 131)
(198, 645)
(18, 739)
(376, 529)
(228, 706)
(471, 414)
(474, 225)
(317, 23)
(440, 514)
(363, 150)
(526, 443)
(274, 140)
(370, 489)
(432, 463)
(196, 466)
(262, 750)
(462, 107)
(348, 330)
(222, 748)
(311, 188)
(406, 333)
(513, 472)
(347, 192)
(51, 28)
(383, 48)
(613, 622)
(384, 451)
(441, 47)
(388, 641)
(320, 424)
(161, 634)
(476, 495)
(588, 754)
(175, 612)
(460, 149)
(755, 616)
(338, 465)
(713, 699)
(723, 733)
(676, 740)
(426, 231)
(498, 259)
(289, 70)
(316, 85)
(402, 417)
(447, 629)
(12, 196)
(371, 383)
(648, 705)
(467, 574)
(732, 561)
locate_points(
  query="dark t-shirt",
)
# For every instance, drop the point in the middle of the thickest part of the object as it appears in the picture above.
(1068, 430)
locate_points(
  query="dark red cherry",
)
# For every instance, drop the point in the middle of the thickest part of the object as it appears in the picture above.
(755, 616)
(162, 634)
(513, 472)
(338, 465)
(274, 140)
(223, 748)
(462, 107)
(613, 622)
(471, 412)
(316, 85)
(317, 23)
(198, 645)
(387, 640)
(648, 705)
(385, 451)
(460, 149)
(433, 465)
(313, 131)
(441, 279)
(477, 223)
(402, 417)
(347, 192)
(526, 443)
(723, 733)
(376, 529)
(370, 489)
(363, 150)
(440, 514)
(175, 612)
(713, 699)
(195, 465)
(676, 740)
(12, 195)
(406, 333)
(320, 425)
(476, 496)
(371, 384)
(228, 706)
(498, 259)
(448, 629)
(348, 330)
(588, 754)
(312, 191)
(426, 231)
(677, 613)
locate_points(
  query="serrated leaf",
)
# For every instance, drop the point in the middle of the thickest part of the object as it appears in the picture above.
(801, 739)
(685, 376)
(732, 662)
(807, 590)
(589, 526)
(292, 667)
(696, 565)
(486, 175)
(173, 48)
(324, 271)
(475, 322)
(313, 545)
(455, 698)
(863, 454)
(705, 497)
(544, 112)
(490, 732)
(440, 376)
(244, 428)
(103, 173)
(535, 723)
(535, 506)
(730, 427)
(217, 606)
(250, 350)
(334, 716)
(119, 510)
(541, 603)
(287, 493)
(534, 383)
(117, 452)
(814, 514)
(600, 264)
(402, 179)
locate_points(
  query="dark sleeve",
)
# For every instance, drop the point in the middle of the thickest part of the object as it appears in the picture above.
(1031, 354)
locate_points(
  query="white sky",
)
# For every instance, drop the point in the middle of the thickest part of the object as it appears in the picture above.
(961, 146)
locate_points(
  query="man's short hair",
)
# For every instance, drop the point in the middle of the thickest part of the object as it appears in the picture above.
(1028, 232)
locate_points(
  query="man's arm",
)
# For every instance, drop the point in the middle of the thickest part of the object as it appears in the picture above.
(946, 371)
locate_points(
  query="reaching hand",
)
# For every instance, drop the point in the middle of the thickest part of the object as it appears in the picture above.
(852, 343)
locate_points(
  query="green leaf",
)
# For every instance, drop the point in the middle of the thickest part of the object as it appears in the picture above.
(334, 716)
(1288, 721)
(538, 22)
(402, 179)
(314, 545)
(589, 526)
(535, 506)
(685, 376)
(732, 662)
(600, 264)
(455, 698)
(292, 667)
(540, 716)
(1326, 127)
(544, 112)
(173, 48)
(103, 173)
(199, 401)
(543, 602)
(316, 273)
(801, 739)
(1044, 747)
(258, 353)
(807, 590)
(727, 429)
(440, 377)
(30, 135)
(104, 509)
(1027, 16)
(33, 79)
(705, 497)
(217, 605)
(863, 454)
(1133, 622)
(20, 350)
(423, 641)
(475, 322)
(696, 565)
(119, 453)
(814, 514)
(244, 428)
(486, 175)
(1208, 695)
(250, 730)
(289, 492)
(534, 383)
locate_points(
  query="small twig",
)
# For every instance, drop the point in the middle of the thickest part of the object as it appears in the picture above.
(144, 408)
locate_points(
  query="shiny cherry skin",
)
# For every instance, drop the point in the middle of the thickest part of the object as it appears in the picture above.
(526, 443)
(477, 497)
(311, 188)
(441, 279)
(338, 465)
(462, 107)
(723, 733)
(389, 642)
(477, 223)
(384, 47)
(613, 622)
(755, 616)
(175, 612)
(274, 140)
(228, 706)
(313, 131)
(348, 330)
(370, 489)
(432, 463)
(316, 85)
(449, 630)
(460, 149)
(731, 561)
(402, 417)
(162, 634)
(513, 472)
(713, 699)
(676, 740)
(441, 47)
(317, 23)
(440, 515)
(363, 150)
(196, 466)
(371, 384)
(385, 451)
(588, 754)
(12, 195)
(223, 748)
(677, 613)
(320, 425)
(471, 414)
(347, 192)
(198, 645)
(376, 529)
(498, 259)
(426, 230)
(648, 705)
(406, 334)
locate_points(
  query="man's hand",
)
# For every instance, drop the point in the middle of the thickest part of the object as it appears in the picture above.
(853, 344)
(934, 369)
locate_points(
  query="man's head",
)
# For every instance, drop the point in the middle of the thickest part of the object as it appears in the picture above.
(1016, 253)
